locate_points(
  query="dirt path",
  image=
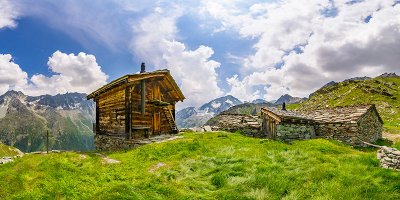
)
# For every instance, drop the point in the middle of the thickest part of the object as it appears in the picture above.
(391, 137)
(107, 160)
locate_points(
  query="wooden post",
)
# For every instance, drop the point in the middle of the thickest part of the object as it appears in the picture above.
(143, 96)
(128, 112)
(47, 141)
(97, 117)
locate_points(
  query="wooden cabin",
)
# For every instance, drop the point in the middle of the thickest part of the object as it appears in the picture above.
(135, 106)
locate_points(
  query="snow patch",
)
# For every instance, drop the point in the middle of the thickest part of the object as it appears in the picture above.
(3, 110)
(229, 101)
(215, 105)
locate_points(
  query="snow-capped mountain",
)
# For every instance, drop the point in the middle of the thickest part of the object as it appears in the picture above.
(24, 120)
(260, 101)
(218, 105)
(192, 117)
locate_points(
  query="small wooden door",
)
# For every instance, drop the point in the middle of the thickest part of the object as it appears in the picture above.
(156, 122)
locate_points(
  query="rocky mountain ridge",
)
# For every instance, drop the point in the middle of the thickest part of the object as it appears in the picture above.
(192, 117)
(24, 121)
(288, 99)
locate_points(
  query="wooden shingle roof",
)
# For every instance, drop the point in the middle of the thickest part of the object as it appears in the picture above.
(131, 78)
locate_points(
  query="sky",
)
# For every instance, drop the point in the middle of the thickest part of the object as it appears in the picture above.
(249, 49)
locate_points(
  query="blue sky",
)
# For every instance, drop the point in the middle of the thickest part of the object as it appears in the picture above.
(250, 49)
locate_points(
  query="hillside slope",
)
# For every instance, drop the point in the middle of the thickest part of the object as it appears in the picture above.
(8, 151)
(205, 166)
(384, 92)
(24, 121)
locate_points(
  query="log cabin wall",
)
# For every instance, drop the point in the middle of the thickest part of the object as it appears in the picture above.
(111, 112)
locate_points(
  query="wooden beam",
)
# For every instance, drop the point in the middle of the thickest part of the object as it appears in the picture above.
(127, 113)
(97, 117)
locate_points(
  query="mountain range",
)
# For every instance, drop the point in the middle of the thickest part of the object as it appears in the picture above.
(194, 117)
(25, 121)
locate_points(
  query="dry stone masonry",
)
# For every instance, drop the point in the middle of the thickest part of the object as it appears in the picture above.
(246, 124)
(287, 131)
(389, 158)
(351, 124)
(109, 143)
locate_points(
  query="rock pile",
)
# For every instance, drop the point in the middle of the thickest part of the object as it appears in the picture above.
(5, 160)
(247, 124)
(8, 159)
(389, 158)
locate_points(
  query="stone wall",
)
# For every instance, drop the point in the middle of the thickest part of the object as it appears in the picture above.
(247, 124)
(345, 132)
(389, 158)
(369, 127)
(112, 143)
(290, 131)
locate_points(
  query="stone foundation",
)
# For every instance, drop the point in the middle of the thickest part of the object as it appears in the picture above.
(289, 132)
(389, 158)
(113, 143)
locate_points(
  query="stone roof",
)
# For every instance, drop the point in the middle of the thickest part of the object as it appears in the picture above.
(329, 115)
(340, 114)
(286, 114)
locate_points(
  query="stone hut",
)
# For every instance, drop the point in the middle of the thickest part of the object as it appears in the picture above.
(286, 125)
(351, 124)
(135, 107)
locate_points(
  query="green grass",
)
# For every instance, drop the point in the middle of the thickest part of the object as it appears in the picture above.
(7, 150)
(206, 166)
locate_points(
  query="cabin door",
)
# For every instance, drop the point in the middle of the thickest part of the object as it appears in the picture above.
(157, 113)
(156, 122)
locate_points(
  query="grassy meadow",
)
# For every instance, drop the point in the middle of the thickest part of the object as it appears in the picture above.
(205, 166)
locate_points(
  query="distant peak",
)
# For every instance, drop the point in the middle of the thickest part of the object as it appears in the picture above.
(14, 93)
(286, 95)
(388, 75)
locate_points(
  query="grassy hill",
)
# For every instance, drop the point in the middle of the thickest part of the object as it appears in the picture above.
(383, 92)
(7, 150)
(206, 166)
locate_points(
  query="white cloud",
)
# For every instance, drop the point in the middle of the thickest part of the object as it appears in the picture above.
(8, 14)
(317, 41)
(72, 73)
(194, 71)
(11, 75)
(155, 42)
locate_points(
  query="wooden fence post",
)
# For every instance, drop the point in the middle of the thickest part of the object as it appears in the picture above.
(47, 141)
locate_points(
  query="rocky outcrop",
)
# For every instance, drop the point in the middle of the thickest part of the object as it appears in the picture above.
(389, 158)
(246, 124)
(388, 75)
